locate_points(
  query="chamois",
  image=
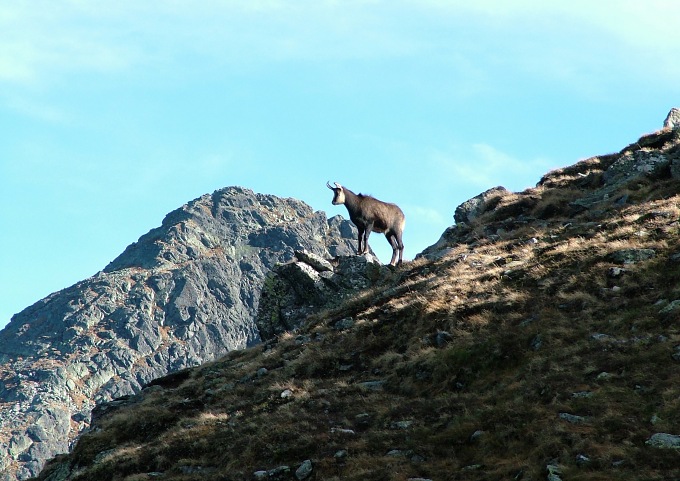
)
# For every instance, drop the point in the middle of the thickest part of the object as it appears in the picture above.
(371, 215)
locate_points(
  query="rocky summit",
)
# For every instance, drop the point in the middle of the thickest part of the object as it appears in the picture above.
(183, 294)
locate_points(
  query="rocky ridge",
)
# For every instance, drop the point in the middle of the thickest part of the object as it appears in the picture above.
(592, 186)
(185, 293)
(535, 339)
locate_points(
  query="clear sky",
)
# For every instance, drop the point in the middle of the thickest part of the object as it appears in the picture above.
(114, 113)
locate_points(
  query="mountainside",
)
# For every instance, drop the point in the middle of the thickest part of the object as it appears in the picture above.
(537, 339)
(185, 293)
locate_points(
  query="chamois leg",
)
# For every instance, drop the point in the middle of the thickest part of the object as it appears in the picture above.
(400, 244)
(397, 248)
(360, 240)
(369, 229)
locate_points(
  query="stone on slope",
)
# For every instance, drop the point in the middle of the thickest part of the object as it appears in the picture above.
(664, 441)
(472, 208)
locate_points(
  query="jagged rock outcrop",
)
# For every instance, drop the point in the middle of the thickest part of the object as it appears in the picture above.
(590, 185)
(185, 293)
(309, 283)
(472, 208)
(672, 119)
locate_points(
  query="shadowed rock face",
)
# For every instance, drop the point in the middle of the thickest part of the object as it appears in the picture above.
(185, 293)
(309, 283)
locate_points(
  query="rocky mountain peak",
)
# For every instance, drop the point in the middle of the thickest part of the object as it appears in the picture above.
(227, 220)
(185, 293)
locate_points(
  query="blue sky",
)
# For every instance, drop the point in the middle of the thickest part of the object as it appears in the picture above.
(115, 113)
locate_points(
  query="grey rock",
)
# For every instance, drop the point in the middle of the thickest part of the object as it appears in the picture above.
(554, 472)
(672, 119)
(664, 441)
(631, 256)
(286, 394)
(442, 338)
(615, 272)
(442, 247)
(376, 385)
(340, 455)
(573, 418)
(343, 431)
(280, 472)
(305, 470)
(183, 294)
(294, 290)
(401, 424)
(318, 263)
(639, 163)
(344, 324)
(466, 215)
(472, 208)
(396, 453)
(671, 307)
(18, 443)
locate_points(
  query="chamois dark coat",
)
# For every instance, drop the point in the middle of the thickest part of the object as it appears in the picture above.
(371, 215)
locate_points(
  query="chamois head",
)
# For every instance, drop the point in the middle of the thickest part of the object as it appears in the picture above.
(339, 197)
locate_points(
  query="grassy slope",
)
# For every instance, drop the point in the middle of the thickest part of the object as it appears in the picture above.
(538, 328)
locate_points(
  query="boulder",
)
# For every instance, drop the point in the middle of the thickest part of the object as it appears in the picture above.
(476, 206)
(634, 164)
(664, 441)
(464, 215)
(672, 119)
(631, 256)
(294, 290)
